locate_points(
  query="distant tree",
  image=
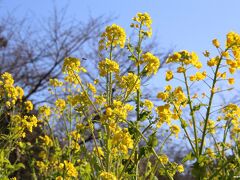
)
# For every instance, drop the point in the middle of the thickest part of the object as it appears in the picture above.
(34, 54)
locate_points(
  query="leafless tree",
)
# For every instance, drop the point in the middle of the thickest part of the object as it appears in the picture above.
(34, 54)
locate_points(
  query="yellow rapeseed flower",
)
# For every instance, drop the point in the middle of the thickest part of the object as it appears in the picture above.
(233, 38)
(108, 66)
(107, 176)
(130, 82)
(181, 69)
(55, 82)
(71, 64)
(122, 139)
(141, 20)
(91, 88)
(47, 141)
(163, 95)
(28, 106)
(149, 104)
(180, 168)
(60, 104)
(216, 43)
(152, 63)
(231, 81)
(164, 114)
(198, 76)
(169, 75)
(175, 129)
(114, 35)
(98, 151)
(45, 111)
(70, 169)
(186, 58)
(163, 158)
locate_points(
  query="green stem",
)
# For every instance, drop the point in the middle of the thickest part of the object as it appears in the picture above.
(160, 150)
(215, 142)
(134, 148)
(192, 114)
(225, 135)
(209, 106)
(138, 91)
(94, 140)
(185, 130)
(85, 92)
(152, 149)
(155, 154)
(109, 97)
(217, 172)
(70, 129)
(138, 71)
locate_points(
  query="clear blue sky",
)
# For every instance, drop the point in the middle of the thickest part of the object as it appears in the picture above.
(183, 24)
(179, 24)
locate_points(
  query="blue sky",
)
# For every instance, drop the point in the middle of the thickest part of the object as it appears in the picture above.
(178, 24)
(183, 24)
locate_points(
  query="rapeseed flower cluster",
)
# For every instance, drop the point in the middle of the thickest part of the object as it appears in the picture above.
(46, 140)
(148, 104)
(55, 82)
(129, 82)
(69, 169)
(151, 62)
(113, 36)
(122, 140)
(70, 64)
(8, 92)
(22, 124)
(233, 46)
(213, 61)
(71, 67)
(169, 75)
(60, 104)
(108, 66)
(185, 58)
(198, 76)
(165, 114)
(143, 19)
(107, 176)
(44, 111)
(232, 114)
(118, 110)
(176, 97)
(175, 129)
(28, 106)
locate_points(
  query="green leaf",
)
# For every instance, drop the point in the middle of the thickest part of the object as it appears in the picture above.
(138, 50)
(132, 58)
(144, 115)
(18, 166)
(190, 156)
(184, 124)
(153, 140)
(143, 151)
(196, 107)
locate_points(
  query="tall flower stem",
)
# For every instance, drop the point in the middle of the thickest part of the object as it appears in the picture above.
(210, 104)
(109, 101)
(192, 113)
(138, 90)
